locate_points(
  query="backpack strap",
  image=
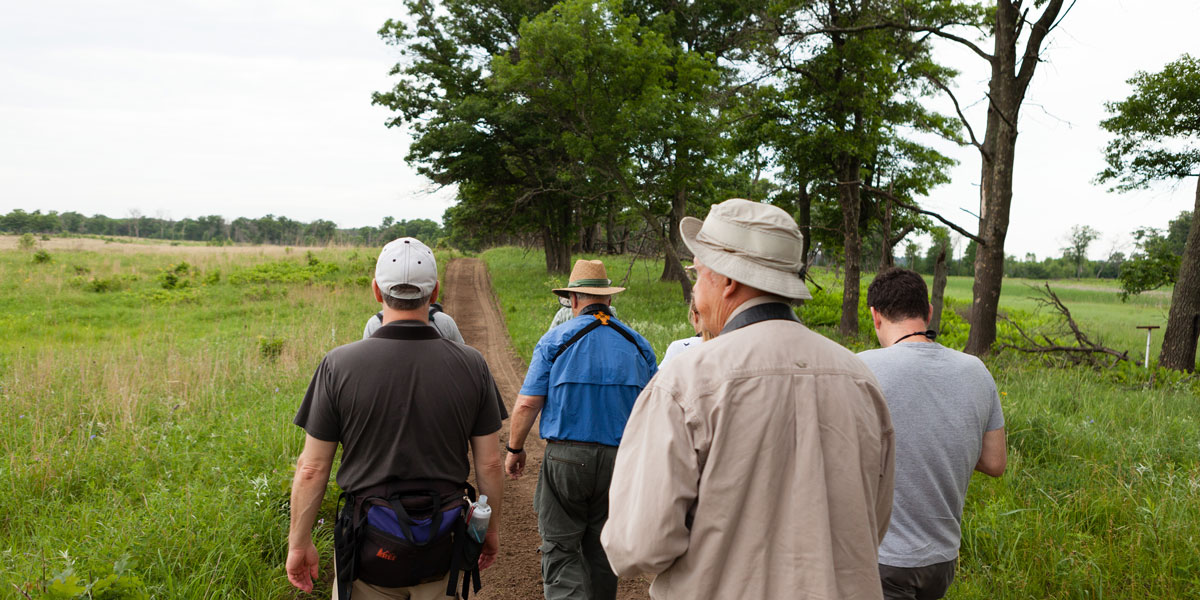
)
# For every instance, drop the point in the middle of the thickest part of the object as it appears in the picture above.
(603, 319)
(434, 308)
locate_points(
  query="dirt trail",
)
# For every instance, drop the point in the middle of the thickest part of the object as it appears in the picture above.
(517, 574)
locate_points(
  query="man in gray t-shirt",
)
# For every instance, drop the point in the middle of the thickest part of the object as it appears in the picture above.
(948, 423)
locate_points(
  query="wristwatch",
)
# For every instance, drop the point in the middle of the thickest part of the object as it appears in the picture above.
(513, 450)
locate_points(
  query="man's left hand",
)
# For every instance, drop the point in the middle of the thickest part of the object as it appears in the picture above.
(491, 547)
(302, 566)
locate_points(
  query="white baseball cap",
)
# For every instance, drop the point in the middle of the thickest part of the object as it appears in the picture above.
(406, 261)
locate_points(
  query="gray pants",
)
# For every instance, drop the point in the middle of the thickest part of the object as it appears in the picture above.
(917, 583)
(572, 505)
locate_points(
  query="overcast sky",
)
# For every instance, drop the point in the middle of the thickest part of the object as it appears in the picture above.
(188, 108)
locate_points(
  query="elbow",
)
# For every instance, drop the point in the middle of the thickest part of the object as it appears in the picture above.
(993, 468)
(308, 470)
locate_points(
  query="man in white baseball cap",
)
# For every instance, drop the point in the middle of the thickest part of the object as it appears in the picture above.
(405, 404)
(759, 464)
(393, 267)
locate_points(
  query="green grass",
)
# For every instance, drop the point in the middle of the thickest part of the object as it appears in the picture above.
(152, 422)
(1102, 494)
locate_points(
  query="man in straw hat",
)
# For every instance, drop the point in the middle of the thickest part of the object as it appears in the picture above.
(583, 378)
(759, 464)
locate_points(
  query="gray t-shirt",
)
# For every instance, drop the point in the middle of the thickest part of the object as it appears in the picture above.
(440, 321)
(942, 401)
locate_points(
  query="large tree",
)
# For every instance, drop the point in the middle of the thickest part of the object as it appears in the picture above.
(845, 91)
(1157, 137)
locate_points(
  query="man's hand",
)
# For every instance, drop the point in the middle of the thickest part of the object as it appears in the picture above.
(491, 547)
(514, 465)
(302, 566)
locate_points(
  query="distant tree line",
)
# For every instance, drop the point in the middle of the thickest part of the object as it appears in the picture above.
(215, 229)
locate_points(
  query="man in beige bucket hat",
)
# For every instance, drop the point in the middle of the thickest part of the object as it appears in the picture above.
(759, 464)
(583, 379)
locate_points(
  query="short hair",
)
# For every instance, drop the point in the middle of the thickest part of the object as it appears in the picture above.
(592, 298)
(899, 294)
(395, 303)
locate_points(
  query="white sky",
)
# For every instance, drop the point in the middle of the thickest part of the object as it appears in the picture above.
(187, 108)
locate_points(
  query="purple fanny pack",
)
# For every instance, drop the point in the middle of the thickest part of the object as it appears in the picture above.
(384, 519)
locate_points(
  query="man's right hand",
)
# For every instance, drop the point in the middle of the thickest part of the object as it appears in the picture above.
(514, 464)
(302, 566)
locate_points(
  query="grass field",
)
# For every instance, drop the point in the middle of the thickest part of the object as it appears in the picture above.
(1102, 494)
(147, 428)
(148, 441)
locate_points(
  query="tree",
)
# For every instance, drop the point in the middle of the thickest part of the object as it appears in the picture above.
(845, 93)
(1078, 240)
(1157, 137)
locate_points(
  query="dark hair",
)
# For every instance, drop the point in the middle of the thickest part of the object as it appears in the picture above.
(404, 303)
(899, 294)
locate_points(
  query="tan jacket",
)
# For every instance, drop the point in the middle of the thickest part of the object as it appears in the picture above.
(757, 465)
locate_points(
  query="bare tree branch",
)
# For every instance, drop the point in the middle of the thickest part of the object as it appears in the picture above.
(1033, 45)
(917, 209)
(961, 117)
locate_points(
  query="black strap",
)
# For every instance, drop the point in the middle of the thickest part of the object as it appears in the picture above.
(596, 310)
(397, 331)
(929, 333)
(769, 311)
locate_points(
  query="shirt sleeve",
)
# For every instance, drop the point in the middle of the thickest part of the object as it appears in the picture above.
(537, 378)
(372, 324)
(448, 328)
(996, 417)
(318, 414)
(655, 483)
(491, 406)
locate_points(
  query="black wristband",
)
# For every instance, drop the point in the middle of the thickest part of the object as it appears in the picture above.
(514, 450)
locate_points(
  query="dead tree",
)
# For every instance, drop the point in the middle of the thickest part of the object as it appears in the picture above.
(1083, 351)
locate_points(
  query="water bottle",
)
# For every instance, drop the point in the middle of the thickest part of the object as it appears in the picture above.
(477, 523)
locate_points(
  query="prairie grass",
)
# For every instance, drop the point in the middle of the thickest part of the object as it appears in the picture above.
(145, 427)
(1102, 494)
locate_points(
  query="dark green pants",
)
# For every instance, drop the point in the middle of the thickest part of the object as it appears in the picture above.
(572, 505)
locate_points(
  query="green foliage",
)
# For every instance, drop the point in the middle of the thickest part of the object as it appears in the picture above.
(26, 242)
(112, 283)
(270, 347)
(1156, 263)
(1157, 128)
(117, 585)
(285, 272)
(41, 257)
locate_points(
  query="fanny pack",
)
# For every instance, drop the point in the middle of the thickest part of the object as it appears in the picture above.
(405, 538)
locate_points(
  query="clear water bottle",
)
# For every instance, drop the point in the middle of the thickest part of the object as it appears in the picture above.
(481, 515)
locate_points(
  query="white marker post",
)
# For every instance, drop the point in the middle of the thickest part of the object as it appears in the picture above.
(1149, 330)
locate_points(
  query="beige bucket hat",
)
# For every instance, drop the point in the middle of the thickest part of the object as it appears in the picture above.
(589, 277)
(752, 243)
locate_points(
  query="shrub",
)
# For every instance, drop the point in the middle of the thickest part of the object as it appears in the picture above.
(41, 256)
(80, 270)
(213, 277)
(45, 238)
(26, 241)
(270, 348)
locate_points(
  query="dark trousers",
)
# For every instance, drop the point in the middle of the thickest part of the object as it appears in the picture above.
(572, 505)
(917, 583)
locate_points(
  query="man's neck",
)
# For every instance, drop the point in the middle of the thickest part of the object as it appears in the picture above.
(890, 333)
(420, 314)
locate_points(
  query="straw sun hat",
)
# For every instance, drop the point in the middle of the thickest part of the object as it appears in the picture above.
(752, 243)
(589, 277)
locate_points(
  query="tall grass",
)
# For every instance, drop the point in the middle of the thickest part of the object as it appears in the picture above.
(1102, 494)
(144, 422)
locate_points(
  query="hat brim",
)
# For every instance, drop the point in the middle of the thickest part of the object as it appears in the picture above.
(594, 291)
(741, 269)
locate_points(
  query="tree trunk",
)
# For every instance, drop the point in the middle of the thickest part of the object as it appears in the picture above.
(849, 194)
(885, 250)
(1183, 321)
(938, 295)
(556, 238)
(672, 268)
(1006, 93)
(804, 220)
(610, 244)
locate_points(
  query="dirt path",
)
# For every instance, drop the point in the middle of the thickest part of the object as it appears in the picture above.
(517, 574)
